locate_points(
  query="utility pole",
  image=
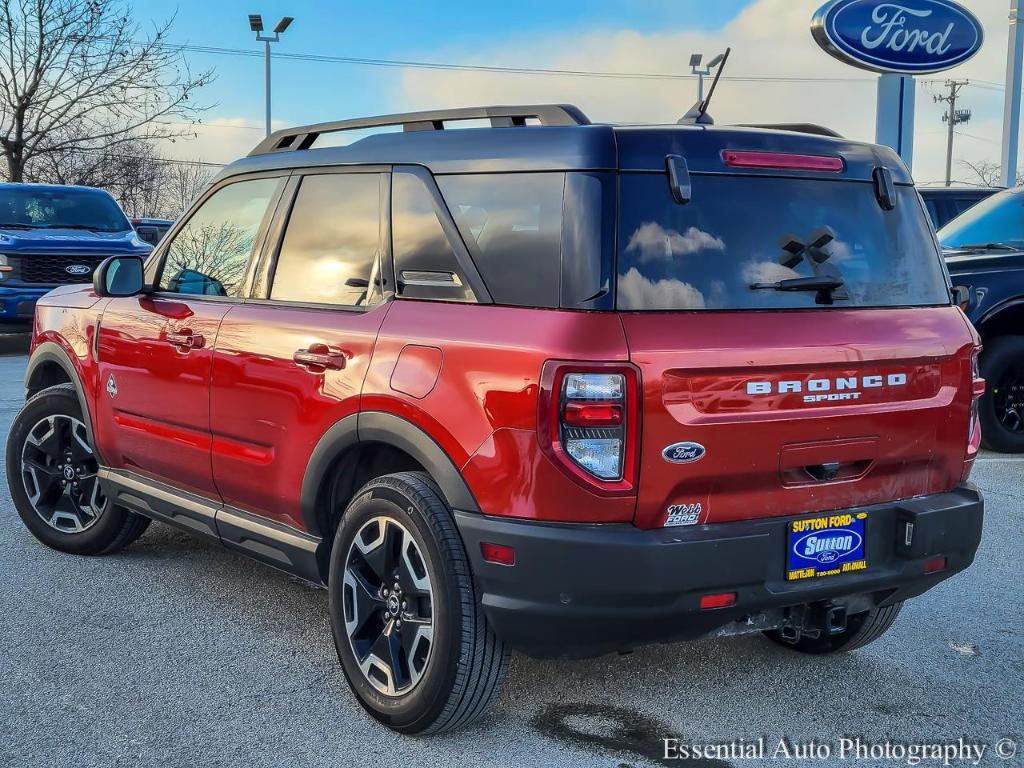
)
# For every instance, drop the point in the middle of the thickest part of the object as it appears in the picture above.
(953, 118)
(256, 25)
(1011, 105)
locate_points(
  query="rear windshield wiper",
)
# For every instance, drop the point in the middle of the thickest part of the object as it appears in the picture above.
(16, 226)
(828, 288)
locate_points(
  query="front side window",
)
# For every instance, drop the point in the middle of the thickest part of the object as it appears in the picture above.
(512, 224)
(209, 256)
(425, 263)
(742, 241)
(329, 254)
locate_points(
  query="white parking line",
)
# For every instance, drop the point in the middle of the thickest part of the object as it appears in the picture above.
(1006, 460)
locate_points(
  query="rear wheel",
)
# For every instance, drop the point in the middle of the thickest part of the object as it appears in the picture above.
(861, 629)
(1002, 407)
(52, 473)
(408, 627)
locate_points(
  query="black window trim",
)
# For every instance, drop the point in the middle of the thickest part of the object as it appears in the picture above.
(155, 265)
(263, 282)
(469, 273)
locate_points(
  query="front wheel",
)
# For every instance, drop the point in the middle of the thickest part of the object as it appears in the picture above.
(410, 634)
(52, 473)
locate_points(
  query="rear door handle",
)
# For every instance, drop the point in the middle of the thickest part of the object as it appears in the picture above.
(185, 340)
(319, 357)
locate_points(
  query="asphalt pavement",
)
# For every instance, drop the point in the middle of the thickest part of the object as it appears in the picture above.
(177, 652)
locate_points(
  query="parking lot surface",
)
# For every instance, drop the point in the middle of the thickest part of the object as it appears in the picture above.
(177, 652)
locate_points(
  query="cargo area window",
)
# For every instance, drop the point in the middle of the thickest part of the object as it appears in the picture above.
(727, 248)
(330, 251)
(512, 225)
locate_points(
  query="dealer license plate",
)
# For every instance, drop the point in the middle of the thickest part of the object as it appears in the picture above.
(828, 545)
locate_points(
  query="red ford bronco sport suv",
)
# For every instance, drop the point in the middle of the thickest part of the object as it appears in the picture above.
(546, 385)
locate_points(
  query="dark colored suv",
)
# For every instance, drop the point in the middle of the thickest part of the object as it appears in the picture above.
(946, 203)
(549, 385)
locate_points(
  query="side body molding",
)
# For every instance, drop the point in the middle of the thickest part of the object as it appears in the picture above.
(386, 428)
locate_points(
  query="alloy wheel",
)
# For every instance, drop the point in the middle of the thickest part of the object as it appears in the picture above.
(388, 606)
(1008, 400)
(59, 472)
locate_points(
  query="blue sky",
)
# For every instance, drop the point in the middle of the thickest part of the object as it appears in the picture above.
(769, 38)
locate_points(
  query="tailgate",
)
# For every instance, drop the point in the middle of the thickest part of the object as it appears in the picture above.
(799, 411)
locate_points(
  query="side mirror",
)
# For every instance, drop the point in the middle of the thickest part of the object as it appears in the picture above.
(119, 276)
(965, 298)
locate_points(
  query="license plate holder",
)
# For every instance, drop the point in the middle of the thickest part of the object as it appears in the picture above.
(826, 545)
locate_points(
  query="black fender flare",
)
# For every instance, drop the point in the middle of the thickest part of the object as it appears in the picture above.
(51, 353)
(387, 428)
(992, 312)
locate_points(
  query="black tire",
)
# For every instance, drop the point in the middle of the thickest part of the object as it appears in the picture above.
(861, 629)
(466, 662)
(112, 529)
(1002, 366)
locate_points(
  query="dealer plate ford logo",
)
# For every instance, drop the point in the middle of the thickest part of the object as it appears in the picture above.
(909, 37)
(77, 269)
(683, 453)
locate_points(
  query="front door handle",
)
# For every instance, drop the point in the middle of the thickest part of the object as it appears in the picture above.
(319, 357)
(185, 340)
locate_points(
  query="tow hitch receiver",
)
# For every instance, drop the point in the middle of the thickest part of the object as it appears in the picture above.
(813, 621)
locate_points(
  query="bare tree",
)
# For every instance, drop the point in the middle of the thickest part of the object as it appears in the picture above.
(75, 77)
(985, 173)
(183, 182)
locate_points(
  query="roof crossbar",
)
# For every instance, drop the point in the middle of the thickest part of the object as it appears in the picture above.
(303, 137)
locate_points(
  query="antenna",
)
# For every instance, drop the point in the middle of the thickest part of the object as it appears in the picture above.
(698, 114)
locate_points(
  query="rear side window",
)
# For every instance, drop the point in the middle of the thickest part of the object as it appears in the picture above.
(710, 253)
(425, 263)
(512, 224)
(209, 256)
(330, 251)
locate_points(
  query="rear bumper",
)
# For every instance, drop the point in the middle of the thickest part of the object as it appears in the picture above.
(585, 590)
(19, 303)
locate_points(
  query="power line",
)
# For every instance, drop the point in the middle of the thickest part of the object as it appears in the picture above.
(450, 66)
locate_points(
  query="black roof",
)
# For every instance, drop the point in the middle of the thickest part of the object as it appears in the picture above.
(549, 138)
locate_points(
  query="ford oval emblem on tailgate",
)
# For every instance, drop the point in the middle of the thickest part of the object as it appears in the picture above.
(684, 453)
(77, 269)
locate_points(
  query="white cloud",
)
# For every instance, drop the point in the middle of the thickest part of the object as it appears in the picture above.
(654, 242)
(637, 292)
(218, 140)
(770, 38)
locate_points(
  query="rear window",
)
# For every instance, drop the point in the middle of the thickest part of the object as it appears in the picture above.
(706, 254)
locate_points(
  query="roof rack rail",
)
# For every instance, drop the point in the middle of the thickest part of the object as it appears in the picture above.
(303, 137)
(817, 130)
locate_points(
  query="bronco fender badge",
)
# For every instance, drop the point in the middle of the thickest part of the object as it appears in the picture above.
(683, 453)
(111, 386)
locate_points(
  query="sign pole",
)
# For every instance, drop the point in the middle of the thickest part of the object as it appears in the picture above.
(894, 118)
(1011, 104)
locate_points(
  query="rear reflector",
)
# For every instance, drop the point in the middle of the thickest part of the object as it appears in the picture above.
(777, 160)
(501, 554)
(935, 565)
(723, 600)
(592, 414)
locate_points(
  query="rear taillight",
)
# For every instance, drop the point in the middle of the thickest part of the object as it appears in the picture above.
(589, 422)
(974, 421)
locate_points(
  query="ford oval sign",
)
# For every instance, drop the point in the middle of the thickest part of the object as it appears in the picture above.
(77, 269)
(907, 37)
(683, 453)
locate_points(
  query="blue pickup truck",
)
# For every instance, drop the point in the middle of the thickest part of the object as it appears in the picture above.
(55, 235)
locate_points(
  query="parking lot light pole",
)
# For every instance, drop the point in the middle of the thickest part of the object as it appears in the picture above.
(256, 25)
(701, 73)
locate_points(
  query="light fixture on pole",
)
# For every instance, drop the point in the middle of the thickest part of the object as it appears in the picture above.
(256, 25)
(701, 73)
